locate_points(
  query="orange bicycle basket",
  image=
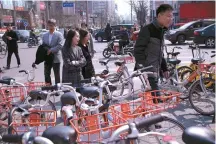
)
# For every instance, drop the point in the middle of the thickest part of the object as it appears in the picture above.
(98, 127)
(12, 93)
(39, 120)
(147, 104)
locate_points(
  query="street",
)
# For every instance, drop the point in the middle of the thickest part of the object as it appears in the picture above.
(183, 113)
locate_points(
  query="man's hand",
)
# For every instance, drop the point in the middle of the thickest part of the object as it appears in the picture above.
(166, 74)
(48, 52)
(9, 38)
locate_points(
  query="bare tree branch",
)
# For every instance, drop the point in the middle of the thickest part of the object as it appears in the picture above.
(141, 9)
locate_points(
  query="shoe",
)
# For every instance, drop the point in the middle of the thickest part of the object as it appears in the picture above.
(7, 67)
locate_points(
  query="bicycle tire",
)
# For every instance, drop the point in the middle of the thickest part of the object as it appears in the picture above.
(194, 88)
(170, 120)
(183, 68)
(5, 52)
(182, 76)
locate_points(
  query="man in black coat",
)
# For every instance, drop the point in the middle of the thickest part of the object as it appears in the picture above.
(148, 49)
(10, 38)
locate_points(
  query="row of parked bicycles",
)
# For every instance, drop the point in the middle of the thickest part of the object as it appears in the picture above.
(107, 109)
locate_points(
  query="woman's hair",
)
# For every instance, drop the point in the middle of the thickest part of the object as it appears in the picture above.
(83, 33)
(69, 37)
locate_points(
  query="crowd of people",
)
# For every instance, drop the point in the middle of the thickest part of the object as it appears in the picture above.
(77, 51)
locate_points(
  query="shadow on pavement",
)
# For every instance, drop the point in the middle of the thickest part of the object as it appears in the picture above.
(185, 114)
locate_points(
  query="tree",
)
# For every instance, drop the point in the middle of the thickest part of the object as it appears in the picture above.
(141, 9)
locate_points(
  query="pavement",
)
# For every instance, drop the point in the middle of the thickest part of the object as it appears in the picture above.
(183, 112)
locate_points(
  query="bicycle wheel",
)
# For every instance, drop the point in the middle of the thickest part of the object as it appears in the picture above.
(3, 128)
(169, 126)
(182, 69)
(3, 51)
(203, 104)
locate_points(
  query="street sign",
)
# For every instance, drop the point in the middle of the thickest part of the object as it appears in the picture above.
(68, 4)
(25, 24)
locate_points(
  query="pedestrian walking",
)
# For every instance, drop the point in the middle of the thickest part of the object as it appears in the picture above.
(73, 59)
(149, 45)
(10, 38)
(91, 42)
(54, 40)
(108, 32)
(88, 70)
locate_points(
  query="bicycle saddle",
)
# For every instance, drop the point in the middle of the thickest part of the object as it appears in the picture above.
(198, 135)
(173, 54)
(38, 94)
(89, 92)
(6, 80)
(174, 61)
(195, 61)
(104, 62)
(61, 135)
(68, 98)
(119, 63)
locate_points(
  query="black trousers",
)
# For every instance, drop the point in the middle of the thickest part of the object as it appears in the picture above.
(47, 72)
(10, 53)
(122, 43)
(153, 81)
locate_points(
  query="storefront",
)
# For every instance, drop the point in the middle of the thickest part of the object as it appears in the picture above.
(6, 13)
(22, 15)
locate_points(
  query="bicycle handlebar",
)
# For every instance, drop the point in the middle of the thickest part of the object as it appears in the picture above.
(150, 120)
(212, 56)
(25, 138)
(12, 138)
(145, 122)
(51, 88)
(23, 71)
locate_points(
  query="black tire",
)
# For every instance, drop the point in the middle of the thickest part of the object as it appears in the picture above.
(181, 39)
(4, 116)
(195, 88)
(210, 42)
(3, 51)
(173, 42)
(182, 69)
(169, 131)
(29, 45)
(107, 53)
(100, 39)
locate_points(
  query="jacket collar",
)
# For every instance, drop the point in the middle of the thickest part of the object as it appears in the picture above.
(157, 25)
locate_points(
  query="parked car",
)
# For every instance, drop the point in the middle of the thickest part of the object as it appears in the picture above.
(42, 32)
(23, 35)
(205, 36)
(100, 36)
(177, 25)
(186, 32)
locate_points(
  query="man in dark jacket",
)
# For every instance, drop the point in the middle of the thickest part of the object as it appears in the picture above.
(10, 38)
(148, 49)
(124, 38)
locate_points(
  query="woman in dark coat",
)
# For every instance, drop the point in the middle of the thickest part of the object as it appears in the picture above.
(73, 60)
(88, 70)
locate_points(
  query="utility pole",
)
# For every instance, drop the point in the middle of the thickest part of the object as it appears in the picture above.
(87, 13)
(131, 12)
